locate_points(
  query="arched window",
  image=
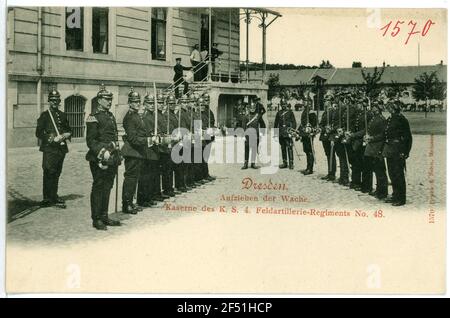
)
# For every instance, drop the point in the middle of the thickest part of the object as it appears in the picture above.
(74, 109)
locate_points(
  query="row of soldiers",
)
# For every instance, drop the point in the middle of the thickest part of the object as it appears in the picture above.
(151, 132)
(153, 127)
(353, 131)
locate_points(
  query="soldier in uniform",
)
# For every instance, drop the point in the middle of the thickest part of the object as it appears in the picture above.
(308, 122)
(398, 143)
(169, 123)
(251, 125)
(190, 170)
(183, 125)
(325, 125)
(285, 119)
(104, 158)
(361, 177)
(147, 184)
(157, 194)
(53, 130)
(374, 141)
(134, 149)
(336, 137)
(208, 122)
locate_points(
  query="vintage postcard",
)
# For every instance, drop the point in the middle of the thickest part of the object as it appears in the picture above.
(226, 150)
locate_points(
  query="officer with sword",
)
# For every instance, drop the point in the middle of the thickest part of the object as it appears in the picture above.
(104, 158)
(53, 131)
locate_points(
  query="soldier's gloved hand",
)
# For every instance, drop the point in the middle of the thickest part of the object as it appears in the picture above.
(57, 138)
(66, 135)
(106, 155)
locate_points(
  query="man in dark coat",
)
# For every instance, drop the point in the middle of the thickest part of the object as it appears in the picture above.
(183, 125)
(361, 176)
(251, 125)
(396, 150)
(325, 127)
(169, 124)
(308, 123)
(284, 121)
(178, 78)
(373, 158)
(208, 122)
(136, 142)
(336, 137)
(104, 158)
(147, 184)
(53, 131)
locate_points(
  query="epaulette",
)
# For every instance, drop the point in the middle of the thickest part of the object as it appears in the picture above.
(91, 119)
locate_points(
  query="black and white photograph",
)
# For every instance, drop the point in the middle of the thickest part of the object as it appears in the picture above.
(225, 149)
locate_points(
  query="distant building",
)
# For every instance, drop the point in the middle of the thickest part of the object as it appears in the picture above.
(76, 49)
(349, 77)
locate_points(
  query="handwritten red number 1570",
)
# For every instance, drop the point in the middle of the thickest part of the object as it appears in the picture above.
(412, 26)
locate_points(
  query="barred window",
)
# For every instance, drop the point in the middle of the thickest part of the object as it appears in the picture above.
(74, 28)
(159, 18)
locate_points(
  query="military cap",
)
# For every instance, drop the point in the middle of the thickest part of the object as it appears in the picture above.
(178, 59)
(133, 96)
(54, 95)
(171, 99)
(103, 93)
(149, 99)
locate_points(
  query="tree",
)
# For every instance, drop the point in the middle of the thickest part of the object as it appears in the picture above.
(273, 82)
(372, 88)
(427, 86)
(325, 64)
(356, 64)
(395, 89)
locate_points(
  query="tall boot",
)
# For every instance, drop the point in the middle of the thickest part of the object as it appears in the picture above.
(284, 157)
(291, 158)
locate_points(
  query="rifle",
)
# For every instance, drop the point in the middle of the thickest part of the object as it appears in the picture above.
(156, 109)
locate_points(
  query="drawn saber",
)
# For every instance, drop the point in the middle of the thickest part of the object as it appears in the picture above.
(54, 126)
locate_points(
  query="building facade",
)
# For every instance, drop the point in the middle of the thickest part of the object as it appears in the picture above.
(76, 49)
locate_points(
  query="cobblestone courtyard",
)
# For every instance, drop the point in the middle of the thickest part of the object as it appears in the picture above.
(160, 250)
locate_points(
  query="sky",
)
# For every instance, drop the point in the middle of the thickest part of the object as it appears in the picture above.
(308, 36)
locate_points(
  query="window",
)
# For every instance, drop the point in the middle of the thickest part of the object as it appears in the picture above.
(74, 109)
(74, 28)
(100, 30)
(159, 16)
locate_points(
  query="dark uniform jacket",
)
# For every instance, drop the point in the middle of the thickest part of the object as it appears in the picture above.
(251, 120)
(169, 122)
(376, 130)
(284, 119)
(178, 69)
(208, 119)
(338, 120)
(307, 117)
(358, 129)
(135, 138)
(45, 131)
(324, 122)
(148, 117)
(398, 138)
(101, 133)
